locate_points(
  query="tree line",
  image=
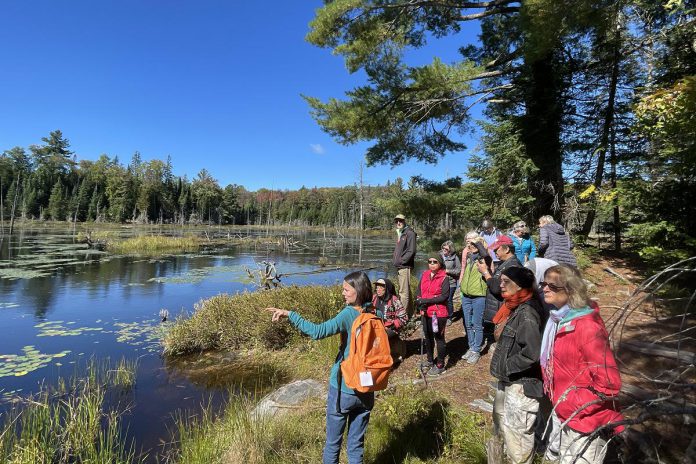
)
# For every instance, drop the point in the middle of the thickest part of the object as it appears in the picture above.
(589, 105)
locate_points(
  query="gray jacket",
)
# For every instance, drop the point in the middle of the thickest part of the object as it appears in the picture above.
(453, 267)
(555, 244)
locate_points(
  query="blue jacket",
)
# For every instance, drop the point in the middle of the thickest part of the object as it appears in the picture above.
(524, 247)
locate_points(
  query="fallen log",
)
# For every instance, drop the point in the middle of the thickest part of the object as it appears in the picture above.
(652, 349)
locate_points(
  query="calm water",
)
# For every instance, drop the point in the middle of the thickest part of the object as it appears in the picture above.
(58, 297)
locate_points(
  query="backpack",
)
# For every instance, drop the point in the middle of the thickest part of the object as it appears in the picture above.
(369, 361)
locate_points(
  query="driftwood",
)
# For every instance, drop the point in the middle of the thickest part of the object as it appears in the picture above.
(686, 357)
(616, 274)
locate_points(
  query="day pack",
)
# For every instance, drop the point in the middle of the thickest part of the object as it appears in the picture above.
(369, 361)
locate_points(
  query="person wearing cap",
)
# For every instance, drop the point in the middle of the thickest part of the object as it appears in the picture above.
(523, 241)
(504, 249)
(515, 364)
(404, 256)
(431, 298)
(490, 234)
(387, 301)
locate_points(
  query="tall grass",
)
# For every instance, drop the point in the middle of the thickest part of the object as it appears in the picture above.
(155, 244)
(233, 322)
(66, 425)
(408, 424)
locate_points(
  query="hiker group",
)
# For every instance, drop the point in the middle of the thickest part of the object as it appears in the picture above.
(524, 307)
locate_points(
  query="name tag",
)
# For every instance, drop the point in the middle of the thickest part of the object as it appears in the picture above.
(366, 379)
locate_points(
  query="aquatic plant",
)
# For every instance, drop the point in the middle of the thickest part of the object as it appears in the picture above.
(21, 364)
(66, 425)
(231, 322)
(155, 244)
(57, 329)
(396, 432)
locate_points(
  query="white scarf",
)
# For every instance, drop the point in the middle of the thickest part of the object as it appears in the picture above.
(555, 316)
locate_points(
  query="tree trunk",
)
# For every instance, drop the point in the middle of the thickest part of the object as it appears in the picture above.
(604, 140)
(541, 129)
(615, 199)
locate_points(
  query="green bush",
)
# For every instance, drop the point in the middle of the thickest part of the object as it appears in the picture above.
(661, 243)
(233, 322)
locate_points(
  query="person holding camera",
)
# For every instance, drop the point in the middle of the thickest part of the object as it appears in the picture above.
(431, 299)
(473, 290)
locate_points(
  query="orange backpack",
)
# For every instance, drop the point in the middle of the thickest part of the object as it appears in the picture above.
(369, 360)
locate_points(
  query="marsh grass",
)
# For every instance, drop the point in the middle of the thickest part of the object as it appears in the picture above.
(408, 424)
(67, 424)
(234, 322)
(155, 244)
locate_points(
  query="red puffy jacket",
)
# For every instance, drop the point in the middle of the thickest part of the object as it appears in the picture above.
(433, 288)
(583, 366)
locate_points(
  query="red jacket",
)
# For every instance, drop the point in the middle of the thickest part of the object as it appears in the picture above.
(433, 288)
(583, 365)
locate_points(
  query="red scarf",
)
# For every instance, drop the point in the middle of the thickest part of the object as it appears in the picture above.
(510, 303)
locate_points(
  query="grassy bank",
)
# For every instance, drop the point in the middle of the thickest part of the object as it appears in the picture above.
(155, 244)
(234, 322)
(70, 423)
(408, 425)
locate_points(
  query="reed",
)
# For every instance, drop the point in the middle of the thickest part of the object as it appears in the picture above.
(68, 424)
(155, 244)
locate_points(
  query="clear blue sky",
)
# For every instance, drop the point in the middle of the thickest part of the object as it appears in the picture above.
(213, 84)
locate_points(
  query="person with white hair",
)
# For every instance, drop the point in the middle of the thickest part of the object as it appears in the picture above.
(555, 243)
(525, 249)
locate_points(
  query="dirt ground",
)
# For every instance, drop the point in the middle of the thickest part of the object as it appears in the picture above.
(646, 376)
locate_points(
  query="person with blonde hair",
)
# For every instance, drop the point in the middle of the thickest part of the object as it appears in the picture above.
(579, 370)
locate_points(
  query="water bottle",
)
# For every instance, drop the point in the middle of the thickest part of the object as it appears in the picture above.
(434, 325)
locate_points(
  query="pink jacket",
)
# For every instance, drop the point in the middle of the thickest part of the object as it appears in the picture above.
(583, 366)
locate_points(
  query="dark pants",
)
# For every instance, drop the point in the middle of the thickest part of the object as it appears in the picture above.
(431, 339)
(450, 305)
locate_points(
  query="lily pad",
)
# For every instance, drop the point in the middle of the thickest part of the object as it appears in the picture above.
(19, 365)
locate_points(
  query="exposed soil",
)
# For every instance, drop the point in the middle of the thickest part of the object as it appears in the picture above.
(643, 375)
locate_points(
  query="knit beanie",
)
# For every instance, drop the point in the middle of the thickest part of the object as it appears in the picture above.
(438, 257)
(522, 276)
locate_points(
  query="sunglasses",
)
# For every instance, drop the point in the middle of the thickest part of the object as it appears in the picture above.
(552, 287)
(433, 261)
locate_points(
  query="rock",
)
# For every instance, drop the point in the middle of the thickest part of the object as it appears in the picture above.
(288, 397)
(483, 405)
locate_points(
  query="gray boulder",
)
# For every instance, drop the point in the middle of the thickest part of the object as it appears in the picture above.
(288, 397)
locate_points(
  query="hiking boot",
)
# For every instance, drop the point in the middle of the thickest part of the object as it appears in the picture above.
(435, 371)
(474, 357)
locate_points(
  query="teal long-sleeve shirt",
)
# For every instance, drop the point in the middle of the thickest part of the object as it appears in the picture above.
(341, 323)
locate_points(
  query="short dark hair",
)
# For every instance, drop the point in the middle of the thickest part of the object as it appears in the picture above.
(362, 285)
(510, 247)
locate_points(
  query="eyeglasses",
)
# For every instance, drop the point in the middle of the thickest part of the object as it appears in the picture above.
(433, 261)
(552, 287)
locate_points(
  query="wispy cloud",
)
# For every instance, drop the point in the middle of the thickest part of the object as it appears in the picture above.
(317, 148)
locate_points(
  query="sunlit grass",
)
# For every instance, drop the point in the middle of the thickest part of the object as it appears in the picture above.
(154, 244)
(233, 322)
(67, 424)
(408, 424)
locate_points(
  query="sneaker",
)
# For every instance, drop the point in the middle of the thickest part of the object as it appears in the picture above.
(466, 355)
(435, 371)
(426, 365)
(449, 322)
(474, 357)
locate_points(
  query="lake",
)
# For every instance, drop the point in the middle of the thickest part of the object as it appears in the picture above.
(62, 303)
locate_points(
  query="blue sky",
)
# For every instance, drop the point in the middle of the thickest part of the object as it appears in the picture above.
(213, 84)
